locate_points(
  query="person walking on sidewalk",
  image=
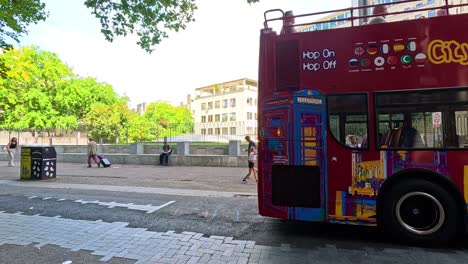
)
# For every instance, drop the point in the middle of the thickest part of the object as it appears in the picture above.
(92, 152)
(251, 145)
(11, 149)
(252, 159)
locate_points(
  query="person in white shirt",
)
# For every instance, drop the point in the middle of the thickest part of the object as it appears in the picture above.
(252, 169)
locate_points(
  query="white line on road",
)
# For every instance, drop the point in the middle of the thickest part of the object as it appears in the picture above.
(148, 208)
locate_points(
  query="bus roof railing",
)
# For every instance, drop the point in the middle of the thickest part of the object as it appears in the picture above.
(351, 10)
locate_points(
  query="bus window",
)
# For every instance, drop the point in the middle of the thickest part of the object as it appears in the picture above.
(422, 119)
(348, 119)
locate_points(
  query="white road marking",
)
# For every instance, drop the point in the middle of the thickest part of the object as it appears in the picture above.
(32, 197)
(148, 208)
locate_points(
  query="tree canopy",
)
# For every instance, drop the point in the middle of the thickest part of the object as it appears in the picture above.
(16, 15)
(150, 20)
(41, 93)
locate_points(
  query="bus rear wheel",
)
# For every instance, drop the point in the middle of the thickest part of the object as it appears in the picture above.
(421, 211)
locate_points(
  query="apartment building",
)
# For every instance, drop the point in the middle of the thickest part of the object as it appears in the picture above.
(226, 109)
(329, 23)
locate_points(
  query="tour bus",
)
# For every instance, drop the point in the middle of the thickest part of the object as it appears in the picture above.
(366, 124)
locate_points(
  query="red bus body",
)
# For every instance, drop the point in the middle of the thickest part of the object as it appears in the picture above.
(299, 71)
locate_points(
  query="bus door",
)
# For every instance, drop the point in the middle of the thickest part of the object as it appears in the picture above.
(275, 146)
(300, 185)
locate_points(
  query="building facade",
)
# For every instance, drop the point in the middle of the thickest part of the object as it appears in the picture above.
(329, 20)
(226, 109)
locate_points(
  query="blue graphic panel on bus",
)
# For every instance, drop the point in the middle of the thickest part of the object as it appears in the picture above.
(276, 122)
(309, 148)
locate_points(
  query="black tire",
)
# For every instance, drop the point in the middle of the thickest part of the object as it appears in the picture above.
(420, 211)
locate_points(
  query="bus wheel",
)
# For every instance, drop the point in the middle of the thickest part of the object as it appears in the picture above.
(421, 211)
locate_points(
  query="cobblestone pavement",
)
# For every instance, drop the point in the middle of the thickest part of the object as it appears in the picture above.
(116, 240)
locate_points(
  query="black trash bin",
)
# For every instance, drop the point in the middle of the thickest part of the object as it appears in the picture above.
(38, 162)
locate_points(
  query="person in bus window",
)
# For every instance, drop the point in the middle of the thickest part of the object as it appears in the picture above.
(354, 142)
(441, 12)
(380, 12)
(288, 23)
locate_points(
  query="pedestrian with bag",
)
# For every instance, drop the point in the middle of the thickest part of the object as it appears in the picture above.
(92, 152)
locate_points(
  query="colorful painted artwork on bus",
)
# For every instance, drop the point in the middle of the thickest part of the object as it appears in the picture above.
(358, 203)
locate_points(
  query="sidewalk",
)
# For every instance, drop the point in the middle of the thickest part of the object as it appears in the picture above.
(217, 179)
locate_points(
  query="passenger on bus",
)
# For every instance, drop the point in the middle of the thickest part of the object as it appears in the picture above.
(380, 12)
(288, 23)
(353, 141)
(441, 12)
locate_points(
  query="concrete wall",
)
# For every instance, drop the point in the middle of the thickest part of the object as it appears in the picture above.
(184, 154)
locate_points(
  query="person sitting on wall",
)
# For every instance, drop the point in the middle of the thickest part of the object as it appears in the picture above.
(288, 23)
(380, 12)
(167, 151)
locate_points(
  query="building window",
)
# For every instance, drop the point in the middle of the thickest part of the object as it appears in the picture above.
(430, 2)
(203, 131)
(203, 106)
(225, 130)
(423, 119)
(348, 119)
(217, 104)
(210, 118)
(203, 119)
(250, 101)
(210, 131)
(232, 116)
(217, 118)
(225, 117)
(233, 102)
(217, 131)
(407, 9)
(431, 13)
(256, 117)
(418, 16)
(419, 5)
(232, 130)
(225, 103)
(210, 105)
(249, 116)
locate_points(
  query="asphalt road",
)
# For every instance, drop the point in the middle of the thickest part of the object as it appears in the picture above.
(149, 214)
(231, 217)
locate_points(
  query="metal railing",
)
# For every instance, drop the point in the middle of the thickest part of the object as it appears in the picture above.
(352, 18)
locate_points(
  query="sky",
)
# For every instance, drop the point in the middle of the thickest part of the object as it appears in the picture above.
(221, 45)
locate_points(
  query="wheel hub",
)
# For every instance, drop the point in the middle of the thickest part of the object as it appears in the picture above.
(420, 213)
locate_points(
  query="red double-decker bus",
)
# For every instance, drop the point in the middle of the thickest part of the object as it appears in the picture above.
(367, 124)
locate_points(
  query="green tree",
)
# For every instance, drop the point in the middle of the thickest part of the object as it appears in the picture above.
(25, 93)
(16, 15)
(148, 19)
(76, 96)
(168, 120)
(110, 122)
(140, 129)
(40, 92)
